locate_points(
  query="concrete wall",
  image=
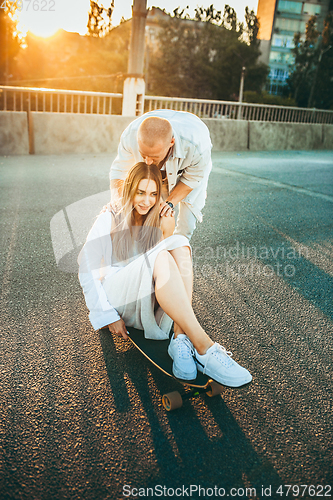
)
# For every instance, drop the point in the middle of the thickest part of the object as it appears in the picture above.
(228, 135)
(63, 133)
(327, 137)
(13, 133)
(274, 136)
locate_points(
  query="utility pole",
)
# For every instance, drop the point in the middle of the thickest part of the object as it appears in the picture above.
(134, 84)
(241, 88)
(6, 52)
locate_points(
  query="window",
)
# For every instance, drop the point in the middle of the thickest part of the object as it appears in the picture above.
(275, 56)
(312, 9)
(289, 58)
(278, 74)
(281, 57)
(274, 88)
(287, 24)
(286, 41)
(286, 6)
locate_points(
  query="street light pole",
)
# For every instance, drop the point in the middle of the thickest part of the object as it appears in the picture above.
(241, 88)
(134, 84)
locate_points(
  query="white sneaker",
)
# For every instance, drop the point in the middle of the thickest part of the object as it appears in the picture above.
(217, 363)
(181, 350)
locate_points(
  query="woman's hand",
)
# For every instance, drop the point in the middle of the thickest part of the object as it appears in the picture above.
(167, 225)
(119, 328)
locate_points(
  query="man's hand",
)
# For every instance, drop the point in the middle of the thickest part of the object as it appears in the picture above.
(112, 206)
(178, 193)
(119, 328)
(116, 189)
(166, 210)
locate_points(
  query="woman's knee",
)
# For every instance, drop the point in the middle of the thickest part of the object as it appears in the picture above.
(183, 259)
(162, 262)
(184, 252)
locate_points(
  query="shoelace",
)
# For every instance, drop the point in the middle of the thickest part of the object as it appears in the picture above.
(223, 355)
(185, 348)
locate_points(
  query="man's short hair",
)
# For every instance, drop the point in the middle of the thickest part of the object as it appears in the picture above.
(155, 130)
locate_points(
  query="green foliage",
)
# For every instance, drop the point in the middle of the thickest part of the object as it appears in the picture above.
(311, 82)
(203, 57)
(252, 27)
(266, 98)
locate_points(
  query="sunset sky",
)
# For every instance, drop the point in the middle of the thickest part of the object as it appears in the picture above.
(45, 17)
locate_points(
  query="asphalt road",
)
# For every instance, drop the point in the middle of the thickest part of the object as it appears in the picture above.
(80, 412)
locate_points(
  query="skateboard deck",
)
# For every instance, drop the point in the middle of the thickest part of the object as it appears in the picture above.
(157, 353)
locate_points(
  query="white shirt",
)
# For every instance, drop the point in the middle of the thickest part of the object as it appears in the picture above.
(94, 266)
(189, 161)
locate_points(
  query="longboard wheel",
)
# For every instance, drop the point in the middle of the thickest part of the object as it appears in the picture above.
(213, 389)
(172, 401)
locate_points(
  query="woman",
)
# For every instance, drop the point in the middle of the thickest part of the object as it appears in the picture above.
(135, 272)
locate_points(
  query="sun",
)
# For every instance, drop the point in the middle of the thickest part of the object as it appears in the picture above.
(43, 31)
(44, 18)
(40, 23)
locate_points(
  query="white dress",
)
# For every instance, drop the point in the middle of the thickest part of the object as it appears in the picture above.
(126, 291)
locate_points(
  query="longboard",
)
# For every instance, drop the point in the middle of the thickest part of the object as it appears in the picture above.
(157, 353)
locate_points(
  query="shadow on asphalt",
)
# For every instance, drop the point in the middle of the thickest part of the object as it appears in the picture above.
(225, 459)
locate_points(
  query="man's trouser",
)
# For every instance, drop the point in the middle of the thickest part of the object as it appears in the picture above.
(186, 221)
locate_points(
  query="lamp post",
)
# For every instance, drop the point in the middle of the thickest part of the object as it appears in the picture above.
(134, 84)
(241, 88)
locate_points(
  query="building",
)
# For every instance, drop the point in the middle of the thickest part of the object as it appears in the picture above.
(279, 21)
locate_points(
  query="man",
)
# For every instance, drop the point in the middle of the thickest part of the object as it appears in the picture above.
(179, 143)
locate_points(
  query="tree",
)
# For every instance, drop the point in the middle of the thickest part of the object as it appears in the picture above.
(311, 82)
(252, 28)
(9, 44)
(99, 20)
(203, 57)
(71, 61)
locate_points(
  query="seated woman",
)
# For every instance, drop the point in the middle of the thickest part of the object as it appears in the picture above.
(135, 272)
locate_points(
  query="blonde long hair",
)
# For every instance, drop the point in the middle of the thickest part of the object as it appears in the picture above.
(125, 234)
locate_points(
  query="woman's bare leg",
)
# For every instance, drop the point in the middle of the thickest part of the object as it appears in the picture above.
(183, 259)
(172, 296)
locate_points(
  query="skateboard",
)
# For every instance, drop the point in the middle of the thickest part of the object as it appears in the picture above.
(157, 353)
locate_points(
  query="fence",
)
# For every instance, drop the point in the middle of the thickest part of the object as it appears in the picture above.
(205, 108)
(59, 101)
(70, 101)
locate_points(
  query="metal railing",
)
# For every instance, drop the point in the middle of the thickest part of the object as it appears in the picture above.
(76, 101)
(205, 108)
(59, 101)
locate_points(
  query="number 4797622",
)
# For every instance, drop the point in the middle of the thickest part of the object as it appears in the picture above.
(36, 5)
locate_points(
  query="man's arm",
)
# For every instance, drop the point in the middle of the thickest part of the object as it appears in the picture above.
(120, 166)
(194, 173)
(116, 187)
(190, 179)
(178, 193)
(123, 162)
